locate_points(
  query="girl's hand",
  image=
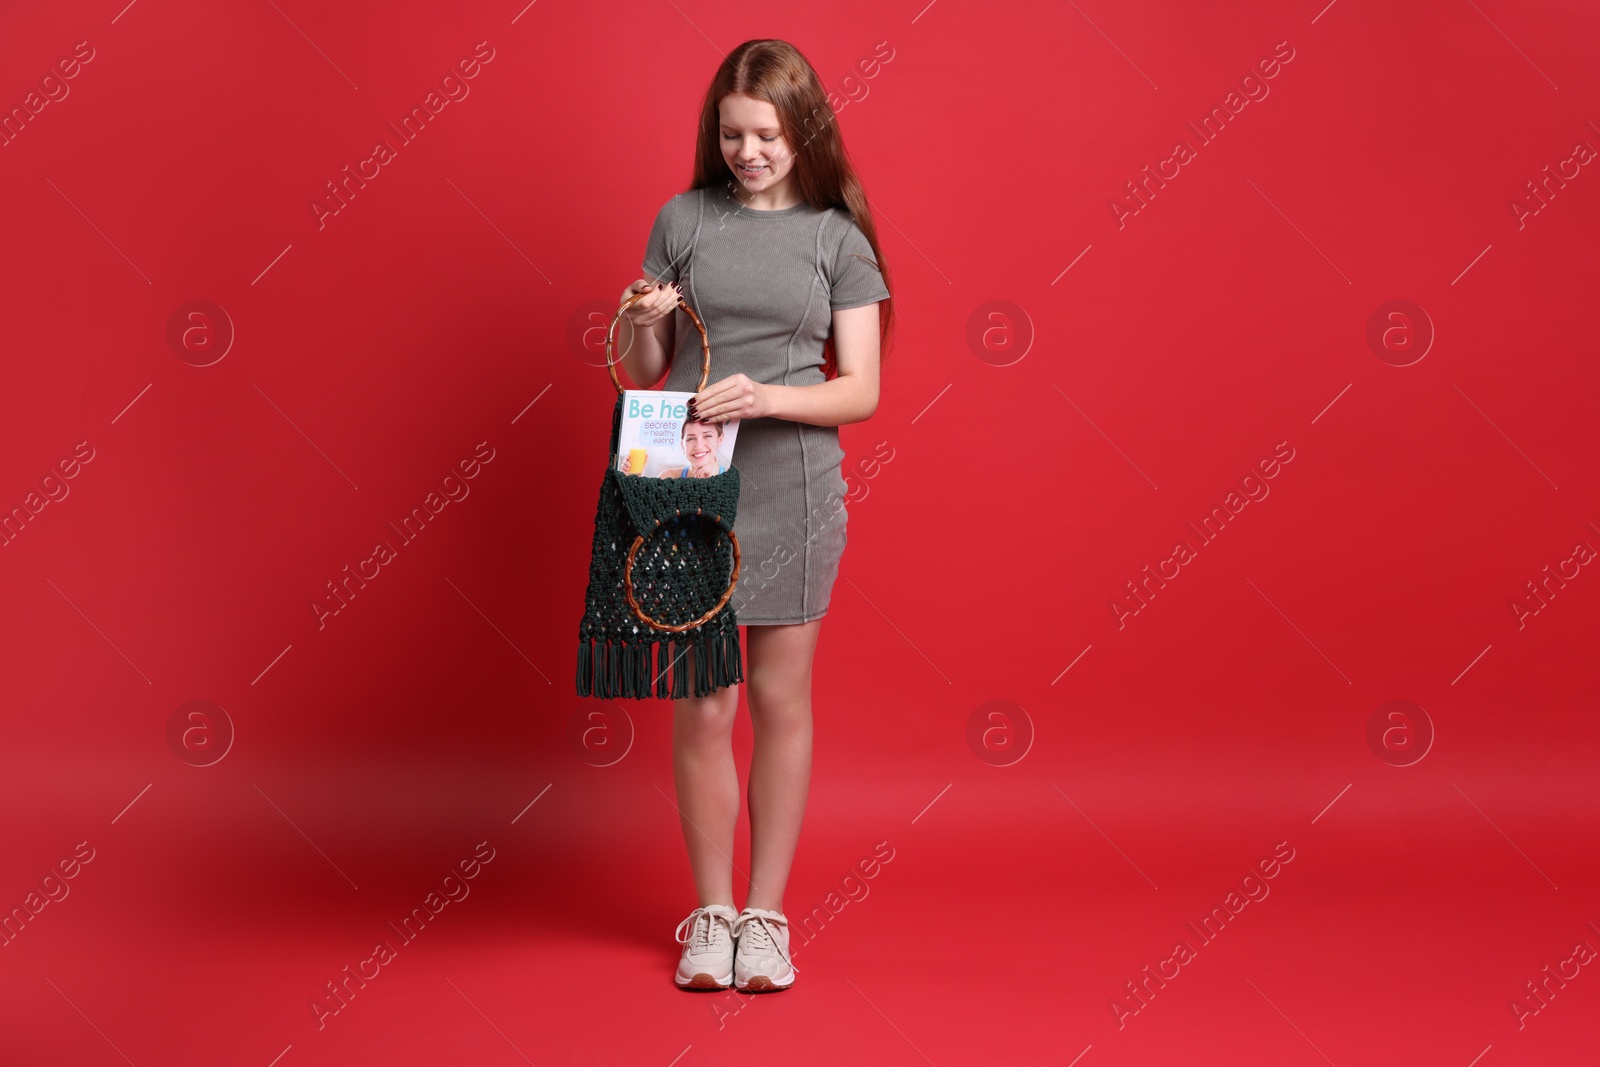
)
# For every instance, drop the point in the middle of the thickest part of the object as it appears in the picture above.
(659, 301)
(733, 397)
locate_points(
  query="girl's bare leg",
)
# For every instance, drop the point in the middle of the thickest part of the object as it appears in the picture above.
(707, 786)
(779, 681)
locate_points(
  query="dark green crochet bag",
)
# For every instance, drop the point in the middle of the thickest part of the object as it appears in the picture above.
(664, 564)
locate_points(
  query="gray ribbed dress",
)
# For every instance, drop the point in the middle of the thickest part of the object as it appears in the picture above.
(766, 284)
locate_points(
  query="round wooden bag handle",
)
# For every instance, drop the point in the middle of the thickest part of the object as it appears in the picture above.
(611, 339)
(633, 602)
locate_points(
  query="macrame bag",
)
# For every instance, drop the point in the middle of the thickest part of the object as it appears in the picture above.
(664, 564)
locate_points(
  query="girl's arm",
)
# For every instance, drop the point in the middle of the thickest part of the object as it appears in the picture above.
(644, 355)
(852, 396)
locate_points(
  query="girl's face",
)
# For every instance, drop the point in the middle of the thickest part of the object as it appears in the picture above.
(753, 147)
(700, 444)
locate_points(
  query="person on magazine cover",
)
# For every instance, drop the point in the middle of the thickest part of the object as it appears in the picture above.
(702, 441)
(775, 248)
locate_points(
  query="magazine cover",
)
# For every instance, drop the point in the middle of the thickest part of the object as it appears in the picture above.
(659, 441)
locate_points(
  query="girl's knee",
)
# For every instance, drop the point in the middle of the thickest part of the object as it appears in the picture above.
(710, 715)
(775, 701)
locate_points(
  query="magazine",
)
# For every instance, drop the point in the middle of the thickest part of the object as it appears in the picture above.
(657, 441)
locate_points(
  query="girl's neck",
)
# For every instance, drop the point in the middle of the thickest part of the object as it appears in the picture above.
(742, 198)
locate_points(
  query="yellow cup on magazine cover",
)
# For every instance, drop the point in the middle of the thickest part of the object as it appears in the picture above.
(636, 457)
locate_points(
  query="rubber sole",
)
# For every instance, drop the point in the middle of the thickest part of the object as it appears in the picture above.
(703, 981)
(762, 984)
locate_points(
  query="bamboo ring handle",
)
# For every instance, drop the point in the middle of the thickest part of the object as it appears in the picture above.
(633, 603)
(611, 337)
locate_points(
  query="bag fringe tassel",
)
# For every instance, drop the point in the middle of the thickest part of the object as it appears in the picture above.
(659, 668)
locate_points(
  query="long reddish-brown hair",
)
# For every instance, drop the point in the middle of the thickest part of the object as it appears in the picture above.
(776, 72)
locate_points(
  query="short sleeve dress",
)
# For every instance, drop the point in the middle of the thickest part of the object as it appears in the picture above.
(765, 285)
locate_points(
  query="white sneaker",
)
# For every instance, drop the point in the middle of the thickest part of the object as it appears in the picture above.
(761, 960)
(707, 939)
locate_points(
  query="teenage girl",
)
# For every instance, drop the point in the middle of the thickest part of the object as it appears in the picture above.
(774, 246)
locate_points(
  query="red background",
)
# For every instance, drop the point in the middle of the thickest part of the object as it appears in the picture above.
(1033, 475)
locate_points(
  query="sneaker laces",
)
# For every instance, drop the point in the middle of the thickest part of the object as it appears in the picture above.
(699, 924)
(759, 938)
